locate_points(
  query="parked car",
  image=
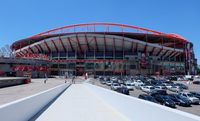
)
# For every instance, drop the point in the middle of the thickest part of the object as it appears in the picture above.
(191, 97)
(115, 86)
(120, 81)
(123, 90)
(108, 83)
(195, 94)
(129, 86)
(196, 82)
(101, 78)
(177, 102)
(164, 100)
(161, 89)
(114, 79)
(180, 100)
(182, 86)
(172, 78)
(148, 98)
(148, 89)
(175, 88)
(168, 85)
(138, 83)
(102, 81)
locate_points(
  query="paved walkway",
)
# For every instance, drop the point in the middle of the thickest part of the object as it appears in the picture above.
(78, 103)
(9, 94)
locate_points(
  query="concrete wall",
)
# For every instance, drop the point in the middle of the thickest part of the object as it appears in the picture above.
(26, 108)
(11, 81)
(140, 110)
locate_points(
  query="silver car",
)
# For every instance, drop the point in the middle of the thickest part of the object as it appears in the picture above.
(189, 96)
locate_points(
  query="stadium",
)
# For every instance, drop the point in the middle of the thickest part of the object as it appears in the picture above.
(104, 49)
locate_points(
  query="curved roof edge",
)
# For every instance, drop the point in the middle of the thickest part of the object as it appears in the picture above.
(107, 24)
(100, 27)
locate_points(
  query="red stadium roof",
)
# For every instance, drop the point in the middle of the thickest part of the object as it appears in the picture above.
(123, 26)
(95, 28)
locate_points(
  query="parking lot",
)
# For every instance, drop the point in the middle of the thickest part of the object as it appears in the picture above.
(193, 109)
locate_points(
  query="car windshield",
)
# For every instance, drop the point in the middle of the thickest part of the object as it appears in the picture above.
(163, 87)
(190, 95)
(175, 96)
(166, 98)
(151, 88)
(197, 94)
(150, 98)
(183, 98)
(115, 84)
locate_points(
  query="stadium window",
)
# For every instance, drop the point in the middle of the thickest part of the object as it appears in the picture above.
(98, 65)
(62, 66)
(54, 66)
(99, 54)
(129, 53)
(90, 54)
(71, 54)
(54, 72)
(55, 54)
(62, 54)
(119, 55)
(132, 66)
(109, 54)
(89, 65)
(71, 65)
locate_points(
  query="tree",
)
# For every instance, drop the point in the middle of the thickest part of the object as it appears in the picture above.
(198, 70)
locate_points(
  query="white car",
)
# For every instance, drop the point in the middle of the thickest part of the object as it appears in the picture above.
(138, 83)
(129, 86)
(188, 95)
(175, 89)
(148, 89)
(115, 86)
(128, 82)
(108, 83)
(162, 88)
(113, 79)
(168, 85)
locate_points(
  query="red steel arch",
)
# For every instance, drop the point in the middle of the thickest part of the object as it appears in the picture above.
(107, 24)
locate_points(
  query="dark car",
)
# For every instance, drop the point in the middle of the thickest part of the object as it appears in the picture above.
(176, 100)
(181, 86)
(196, 94)
(148, 98)
(180, 100)
(196, 82)
(172, 78)
(123, 90)
(165, 100)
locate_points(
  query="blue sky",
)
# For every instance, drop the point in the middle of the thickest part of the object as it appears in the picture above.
(23, 18)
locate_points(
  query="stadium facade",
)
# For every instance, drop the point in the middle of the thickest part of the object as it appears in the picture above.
(104, 49)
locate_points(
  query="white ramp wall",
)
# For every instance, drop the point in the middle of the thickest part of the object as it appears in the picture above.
(139, 110)
(24, 109)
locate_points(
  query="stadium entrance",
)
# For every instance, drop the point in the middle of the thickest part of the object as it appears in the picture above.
(79, 71)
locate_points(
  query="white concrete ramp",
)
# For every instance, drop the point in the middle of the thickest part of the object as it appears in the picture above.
(78, 103)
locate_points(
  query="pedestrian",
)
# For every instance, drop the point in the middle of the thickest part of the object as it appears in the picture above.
(66, 76)
(73, 81)
(46, 78)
